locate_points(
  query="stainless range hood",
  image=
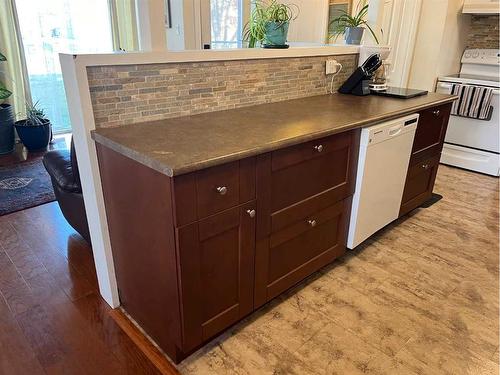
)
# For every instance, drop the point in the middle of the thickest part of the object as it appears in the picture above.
(481, 6)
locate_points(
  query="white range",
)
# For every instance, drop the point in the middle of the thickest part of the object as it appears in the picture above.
(470, 143)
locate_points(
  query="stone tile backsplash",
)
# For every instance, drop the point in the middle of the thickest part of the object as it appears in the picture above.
(126, 94)
(483, 32)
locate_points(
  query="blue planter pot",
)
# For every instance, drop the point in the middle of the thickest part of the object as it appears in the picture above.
(34, 138)
(353, 35)
(6, 129)
(276, 33)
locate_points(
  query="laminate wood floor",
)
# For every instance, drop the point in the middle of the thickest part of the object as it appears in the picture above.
(420, 297)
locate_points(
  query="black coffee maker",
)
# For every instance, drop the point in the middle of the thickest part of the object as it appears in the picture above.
(359, 81)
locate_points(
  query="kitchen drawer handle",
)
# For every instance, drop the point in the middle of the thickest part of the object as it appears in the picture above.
(312, 223)
(251, 213)
(425, 166)
(222, 190)
(318, 148)
(436, 112)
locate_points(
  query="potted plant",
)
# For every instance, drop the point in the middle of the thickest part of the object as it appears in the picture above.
(35, 130)
(6, 119)
(268, 24)
(352, 26)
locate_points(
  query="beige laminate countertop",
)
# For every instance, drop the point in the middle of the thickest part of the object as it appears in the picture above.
(185, 144)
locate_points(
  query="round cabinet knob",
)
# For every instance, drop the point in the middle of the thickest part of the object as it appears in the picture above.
(222, 190)
(251, 213)
(312, 223)
(425, 166)
(436, 112)
(318, 148)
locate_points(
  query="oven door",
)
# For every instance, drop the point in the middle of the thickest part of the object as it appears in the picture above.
(479, 134)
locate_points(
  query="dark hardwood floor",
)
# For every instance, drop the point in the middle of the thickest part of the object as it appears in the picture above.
(21, 154)
(52, 318)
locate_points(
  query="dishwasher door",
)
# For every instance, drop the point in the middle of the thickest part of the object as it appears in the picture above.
(384, 155)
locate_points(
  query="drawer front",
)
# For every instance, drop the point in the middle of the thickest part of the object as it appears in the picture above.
(296, 251)
(419, 184)
(217, 189)
(302, 210)
(430, 133)
(212, 190)
(302, 171)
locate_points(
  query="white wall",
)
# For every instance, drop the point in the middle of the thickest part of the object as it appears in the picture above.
(175, 34)
(454, 38)
(311, 24)
(440, 42)
(151, 25)
(399, 21)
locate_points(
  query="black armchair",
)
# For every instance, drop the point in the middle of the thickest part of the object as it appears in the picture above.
(62, 167)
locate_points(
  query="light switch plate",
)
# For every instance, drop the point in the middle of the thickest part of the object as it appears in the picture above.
(332, 66)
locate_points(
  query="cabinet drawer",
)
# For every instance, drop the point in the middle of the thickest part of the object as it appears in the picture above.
(430, 133)
(301, 171)
(301, 248)
(419, 184)
(212, 190)
(300, 211)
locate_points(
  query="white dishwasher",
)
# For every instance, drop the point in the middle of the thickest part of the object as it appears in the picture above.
(384, 154)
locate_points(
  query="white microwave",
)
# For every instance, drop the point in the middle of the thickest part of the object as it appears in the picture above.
(481, 6)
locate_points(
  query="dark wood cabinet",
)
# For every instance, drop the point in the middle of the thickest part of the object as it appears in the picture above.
(303, 205)
(216, 258)
(222, 241)
(289, 255)
(419, 184)
(424, 161)
(431, 130)
(195, 253)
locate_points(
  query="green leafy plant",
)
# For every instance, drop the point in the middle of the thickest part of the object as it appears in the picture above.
(264, 12)
(35, 116)
(4, 93)
(339, 24)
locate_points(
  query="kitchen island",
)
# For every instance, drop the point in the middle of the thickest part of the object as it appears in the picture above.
(213, 215)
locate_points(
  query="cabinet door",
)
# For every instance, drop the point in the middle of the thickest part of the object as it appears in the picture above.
(430, 133)
(419, 184)
(216, 258)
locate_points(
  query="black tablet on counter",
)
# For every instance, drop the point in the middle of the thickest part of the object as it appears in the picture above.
(399, 92)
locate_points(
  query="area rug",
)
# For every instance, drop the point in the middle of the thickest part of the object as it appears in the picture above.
(24, 185)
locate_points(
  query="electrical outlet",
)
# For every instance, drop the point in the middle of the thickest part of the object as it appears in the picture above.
(332, 66)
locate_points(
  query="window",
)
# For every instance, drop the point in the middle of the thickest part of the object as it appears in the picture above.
(49, 27)
(226, 23)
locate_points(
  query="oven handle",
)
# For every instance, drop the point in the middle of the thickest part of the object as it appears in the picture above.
(445, 88)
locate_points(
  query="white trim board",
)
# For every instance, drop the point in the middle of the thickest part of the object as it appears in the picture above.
(131, 58)
(82, 122)
(74, 70)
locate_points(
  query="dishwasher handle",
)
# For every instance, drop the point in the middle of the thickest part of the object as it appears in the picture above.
(395, 130)
(388, 130)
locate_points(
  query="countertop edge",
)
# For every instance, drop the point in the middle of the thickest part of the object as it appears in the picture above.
(192, 167)
(132, 154)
